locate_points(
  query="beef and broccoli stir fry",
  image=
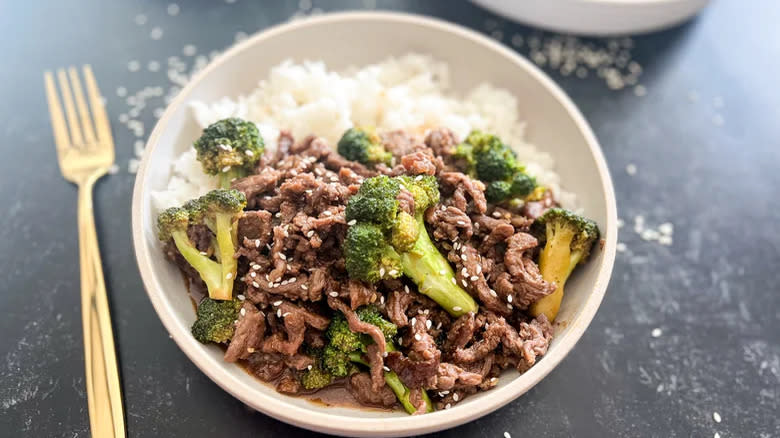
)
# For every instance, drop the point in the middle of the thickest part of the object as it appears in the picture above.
(409, 271)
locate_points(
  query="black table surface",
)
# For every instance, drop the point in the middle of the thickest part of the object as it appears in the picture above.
(686, 330)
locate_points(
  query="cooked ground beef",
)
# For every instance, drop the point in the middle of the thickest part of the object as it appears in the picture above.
(293, 277)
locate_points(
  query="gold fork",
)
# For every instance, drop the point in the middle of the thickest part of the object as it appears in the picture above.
(85, 153)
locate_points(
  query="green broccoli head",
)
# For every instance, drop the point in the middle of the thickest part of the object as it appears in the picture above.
(424, 189)
(497, 191)
(383, 242)
(215, 320)
(316, 378)
(219, 210)
(368, 254)
(561, 226)
(341, 337)
(568, 239)
(371, 315)
(493, 160)
(364, 146)
(336, 361)
(375, 202)
(522, 185)
(174, 219)
(229, 148)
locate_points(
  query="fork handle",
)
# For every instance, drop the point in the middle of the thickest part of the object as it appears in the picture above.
(104, 396)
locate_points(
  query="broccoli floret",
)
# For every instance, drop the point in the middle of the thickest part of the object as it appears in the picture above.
(364, 146)
(493, 160)
(219, 210)
(522, 185)
(229, 148)
(495, 164)
(341, 337)
(497, 191)
(215, 320)
(385, 242)
(343, 351)
(371, 315)
(568, 239)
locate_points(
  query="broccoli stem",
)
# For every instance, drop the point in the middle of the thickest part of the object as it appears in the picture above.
(556, 262)
(227, 261)
(402, 393)
(209, 270)
(226, 178)
(434, 276)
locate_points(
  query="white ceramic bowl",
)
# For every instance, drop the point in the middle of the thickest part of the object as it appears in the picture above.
(554, 124)
(597, 17)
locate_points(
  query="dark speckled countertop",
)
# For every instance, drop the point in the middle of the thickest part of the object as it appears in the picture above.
(689, 331)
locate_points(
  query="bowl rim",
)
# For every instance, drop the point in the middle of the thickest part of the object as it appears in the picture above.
(276, 406)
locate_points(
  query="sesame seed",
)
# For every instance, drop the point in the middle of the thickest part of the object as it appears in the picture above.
(656, 333)
(463, 282)
(282, 256)
(443, 272)
(309, 233)
(418, 178)
(278, 214)
(716, 417)
(284, 282)
(464, 271)
(492, 292)
(277, 303)
(447, 406)
(461, 223)
(453, 281)
(226, 169)
(253, 274)
(384, 354)
(479, 269)
(473, 278)
(352, 222)
(417, 337)
(327, 213)
(270, 284)
(455, 396)
(457, 309)
(304, 287)
(279, 313)
(438, 326)
(257, 243)
(309, 367)
(463, 256)
(292, 279)
(509, 298)
(509, 306)
(256, 286)
(249, 153)
(334, 294)
(406, 288)
(243, 311)
(414, 321)
(381, 272)
(203, 253)
(386, 369)
(240, 297)
(393, 272)
(494, 379)
(507, 435)
(285, 315)
(428, 324)
(256, 267)
(381, 299)
(276, 285)
(496, 214)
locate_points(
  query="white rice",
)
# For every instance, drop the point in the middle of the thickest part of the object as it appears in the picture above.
(411, 92)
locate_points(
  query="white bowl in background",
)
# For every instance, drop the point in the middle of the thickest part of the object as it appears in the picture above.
(341, 40)
(597, 17)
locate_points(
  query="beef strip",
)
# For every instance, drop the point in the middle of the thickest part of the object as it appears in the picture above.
(360, 385)
(458, 185)
(449, 223)
(358, 326)
(528, 284)
(376, 363)
(248, 335)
